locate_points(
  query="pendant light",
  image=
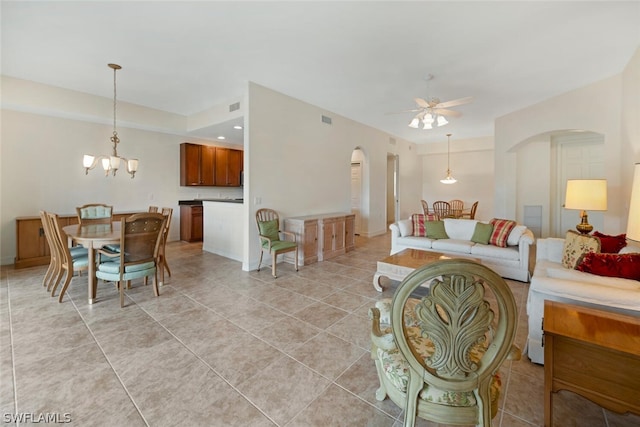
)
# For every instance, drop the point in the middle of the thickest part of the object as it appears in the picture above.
(449, 179)
(111, 163)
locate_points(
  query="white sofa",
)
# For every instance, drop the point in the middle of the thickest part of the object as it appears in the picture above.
(511, 262)
(552, 281)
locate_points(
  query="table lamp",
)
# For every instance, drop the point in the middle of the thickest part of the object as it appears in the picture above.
(633, 224)
(586, 195)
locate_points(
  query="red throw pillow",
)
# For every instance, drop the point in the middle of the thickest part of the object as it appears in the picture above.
(611, 244)
(418, 223)
(501, 230)
(626, 266)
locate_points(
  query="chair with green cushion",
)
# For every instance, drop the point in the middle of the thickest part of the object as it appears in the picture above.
(269, 230)
(140, 239)
(438, 344)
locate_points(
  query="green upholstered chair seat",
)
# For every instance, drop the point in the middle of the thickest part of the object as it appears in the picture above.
(280, 245)
(113, 267)
(81, 261)
(112, 247)
(78, 251)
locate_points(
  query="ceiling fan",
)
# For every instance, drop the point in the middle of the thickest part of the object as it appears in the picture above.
(432, 111)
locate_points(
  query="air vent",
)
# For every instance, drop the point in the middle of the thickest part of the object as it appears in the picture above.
(234, 107)
(326, 120)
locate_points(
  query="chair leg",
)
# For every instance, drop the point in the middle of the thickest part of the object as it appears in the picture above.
(156, 291)
(121, 286)
(260, 262)
(64, 287)
(274, 262)
(296, 258)
(166, 266)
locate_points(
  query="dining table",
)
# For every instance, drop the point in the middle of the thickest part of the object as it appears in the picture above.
(93, 237)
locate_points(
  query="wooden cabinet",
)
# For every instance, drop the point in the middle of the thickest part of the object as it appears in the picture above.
(197, 164)
(31, 244)
(306, 231)
(228, 167)
(191, 221)
(205, 165)
(321, 237)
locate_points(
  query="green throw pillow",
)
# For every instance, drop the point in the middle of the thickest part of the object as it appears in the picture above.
(482, 233)
(269, 229)
(435, 230)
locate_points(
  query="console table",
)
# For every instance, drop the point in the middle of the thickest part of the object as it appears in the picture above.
(593, 353)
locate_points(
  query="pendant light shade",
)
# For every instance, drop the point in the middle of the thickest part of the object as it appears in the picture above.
(449, 179)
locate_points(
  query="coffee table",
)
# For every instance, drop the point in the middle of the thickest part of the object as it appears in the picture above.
(400, 265)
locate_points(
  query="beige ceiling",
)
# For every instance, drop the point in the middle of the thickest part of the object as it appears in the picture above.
(357, 59)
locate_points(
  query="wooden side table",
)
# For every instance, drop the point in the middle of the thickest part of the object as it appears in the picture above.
(593, 353)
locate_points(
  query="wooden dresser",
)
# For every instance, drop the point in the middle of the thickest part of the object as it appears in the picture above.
(593, 353)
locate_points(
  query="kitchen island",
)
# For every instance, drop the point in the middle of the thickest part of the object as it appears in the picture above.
(223, 231)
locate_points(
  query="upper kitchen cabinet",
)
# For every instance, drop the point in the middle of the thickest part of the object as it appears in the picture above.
(197, 164)
(228, 167)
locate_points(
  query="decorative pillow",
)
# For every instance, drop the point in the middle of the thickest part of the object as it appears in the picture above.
(575, 246)
(269, 229)
(630, 249)
(501, 230)
(435, 230)
(482, 233)
(406, 227)
(418, 225)
(611, 244)
(516, 233)
(625, 266)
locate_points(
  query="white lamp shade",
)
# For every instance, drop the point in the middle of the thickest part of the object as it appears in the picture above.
(105, 164)
(442, 121)
(132, 165)
(633, 224)
(114, 161)
(88, 161)
(586, 194)
(414, 123)
(427, 125)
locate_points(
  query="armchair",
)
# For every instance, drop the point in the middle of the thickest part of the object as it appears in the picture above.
(268, 223)
(438, 355)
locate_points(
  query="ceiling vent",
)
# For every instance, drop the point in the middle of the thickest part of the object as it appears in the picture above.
(326, 120)
(234, 107)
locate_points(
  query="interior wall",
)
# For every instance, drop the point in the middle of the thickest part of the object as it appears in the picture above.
(533, 179)
(573, 110)
(300, 165)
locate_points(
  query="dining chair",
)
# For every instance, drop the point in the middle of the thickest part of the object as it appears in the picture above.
(140, 239)
(441, 209)
(66, 262)
(456, 206)
(472, 213)
(425, 207)
(54, 261)
(168, 213)
(153, 209)
(269, 231)
(95, 213)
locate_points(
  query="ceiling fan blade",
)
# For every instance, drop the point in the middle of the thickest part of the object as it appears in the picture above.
(421, 102)
(455, 102)
(444, 112)
(405, 111)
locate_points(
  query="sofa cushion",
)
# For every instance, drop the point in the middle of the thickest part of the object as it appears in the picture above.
(495, 252)
(452, 245)
(630, 249)
(583, 277)
(269, 229)
(482, 233)
(625, 266)
(405, 226)
(415, 242)
(418, 225)
(501, 230)
(575, 246)
(435, 230)
(516, 233)
(461, 229)
(611, 244)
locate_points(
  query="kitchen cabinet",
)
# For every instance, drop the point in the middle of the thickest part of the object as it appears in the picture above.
(321, 237)
(228, 167)
(197, 164)
(31, 244)
(191, 223)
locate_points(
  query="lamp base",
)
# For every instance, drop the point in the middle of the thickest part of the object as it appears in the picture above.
(584, 227)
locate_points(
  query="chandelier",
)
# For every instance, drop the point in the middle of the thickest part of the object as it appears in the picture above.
(111, 163)
(448, 179)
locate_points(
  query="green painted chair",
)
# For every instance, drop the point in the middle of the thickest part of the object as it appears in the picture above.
(269, 230)
(140, 239)
(439, 343)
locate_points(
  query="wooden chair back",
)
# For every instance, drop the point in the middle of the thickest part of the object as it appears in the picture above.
(425, 207)
(441, 209)
(95, 213)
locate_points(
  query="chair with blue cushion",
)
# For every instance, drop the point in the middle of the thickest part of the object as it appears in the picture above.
(65, 260)
(270, 242)
(95, 213)
(140, 239)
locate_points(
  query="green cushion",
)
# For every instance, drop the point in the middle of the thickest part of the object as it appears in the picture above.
(269, 229)
(113, 267)
(435, 230)
(482, 233)
(281, 245)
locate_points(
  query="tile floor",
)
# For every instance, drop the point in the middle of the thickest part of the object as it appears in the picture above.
(223, 347)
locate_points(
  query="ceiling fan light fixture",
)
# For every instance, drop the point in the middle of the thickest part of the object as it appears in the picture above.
(414, 123)
(427, 125)
(442, 121)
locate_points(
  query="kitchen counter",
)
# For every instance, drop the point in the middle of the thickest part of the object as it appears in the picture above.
(198, 202)
(223, 231)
